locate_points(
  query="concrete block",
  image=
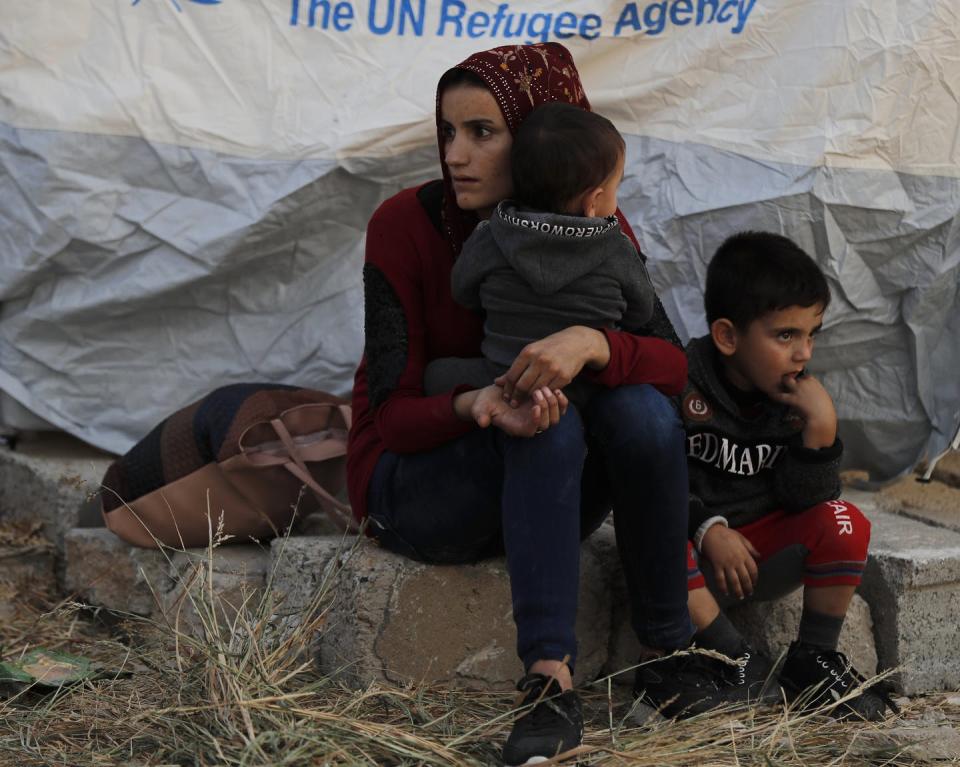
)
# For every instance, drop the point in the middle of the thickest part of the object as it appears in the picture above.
(402, 621)
(301, 588)
(772, 626)
(103, 570)
(298, 567)
(932, 502)
(26, 557)
(210, 586)
(912, 583)
(48, 478)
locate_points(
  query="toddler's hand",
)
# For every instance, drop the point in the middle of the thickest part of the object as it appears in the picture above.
(733, 558)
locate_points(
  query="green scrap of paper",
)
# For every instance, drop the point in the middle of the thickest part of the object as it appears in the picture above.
(47, 669)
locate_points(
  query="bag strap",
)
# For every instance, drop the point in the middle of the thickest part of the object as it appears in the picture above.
(340, 511)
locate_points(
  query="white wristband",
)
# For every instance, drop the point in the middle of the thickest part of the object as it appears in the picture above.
(702, 530)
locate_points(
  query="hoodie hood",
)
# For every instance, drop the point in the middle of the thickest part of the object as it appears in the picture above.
(703, 372)
(550, 250)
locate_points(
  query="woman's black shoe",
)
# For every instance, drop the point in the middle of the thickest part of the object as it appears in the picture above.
(550, 727)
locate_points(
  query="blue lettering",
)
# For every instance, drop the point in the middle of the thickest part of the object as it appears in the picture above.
(339, 15)
(681, 6)
(323, 4)
(342, 17)
(726, 11)
(743, 13)
(701, 7)
(498, 18)
(565, 26)
(508, 30)
(446, 15)
(477, 23)
(629, 16)
(655, 17)
(539, 26)
(380, 29)
(314, 4)
(590, 26)
(415, 17)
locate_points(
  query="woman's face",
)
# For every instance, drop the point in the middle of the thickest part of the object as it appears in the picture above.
(476, 148)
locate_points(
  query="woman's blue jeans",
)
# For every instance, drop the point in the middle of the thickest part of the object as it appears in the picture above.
(537, 497)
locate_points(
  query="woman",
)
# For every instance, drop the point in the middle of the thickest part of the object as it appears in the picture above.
(473, 472)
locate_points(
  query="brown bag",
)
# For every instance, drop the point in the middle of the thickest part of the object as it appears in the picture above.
(267, 443)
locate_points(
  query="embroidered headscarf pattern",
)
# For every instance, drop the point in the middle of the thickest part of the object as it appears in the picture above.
(520, 78)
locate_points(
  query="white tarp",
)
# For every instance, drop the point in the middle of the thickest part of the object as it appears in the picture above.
(184, 184)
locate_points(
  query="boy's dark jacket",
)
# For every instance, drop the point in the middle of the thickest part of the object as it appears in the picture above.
(741, 467)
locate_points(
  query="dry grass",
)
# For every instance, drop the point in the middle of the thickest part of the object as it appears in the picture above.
(243, 695)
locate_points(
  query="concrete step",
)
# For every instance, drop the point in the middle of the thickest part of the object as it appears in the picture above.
(936, 503)
(51, 478)
(397, 620)
(912, 583)
(401, 621)
(26, 557)
(104, 571)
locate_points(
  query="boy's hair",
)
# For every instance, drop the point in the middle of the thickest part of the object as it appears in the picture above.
(753, 273)
(559, 152)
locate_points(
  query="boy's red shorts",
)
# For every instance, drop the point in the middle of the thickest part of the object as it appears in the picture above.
(835, 533)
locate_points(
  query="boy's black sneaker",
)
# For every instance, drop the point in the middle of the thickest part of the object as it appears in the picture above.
(550, 727)
(822, 677)
(681, 685)
(751, 680)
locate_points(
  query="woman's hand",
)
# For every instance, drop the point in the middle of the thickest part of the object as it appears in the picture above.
(536, 414)
(553, 362)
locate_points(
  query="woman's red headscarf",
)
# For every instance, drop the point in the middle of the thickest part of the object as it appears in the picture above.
(520, 78)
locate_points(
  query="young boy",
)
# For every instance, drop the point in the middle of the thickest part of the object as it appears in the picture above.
(555, 257)
(763, 456)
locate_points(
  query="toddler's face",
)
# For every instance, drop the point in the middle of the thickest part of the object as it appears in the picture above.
(607, 202)
(774, 347)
